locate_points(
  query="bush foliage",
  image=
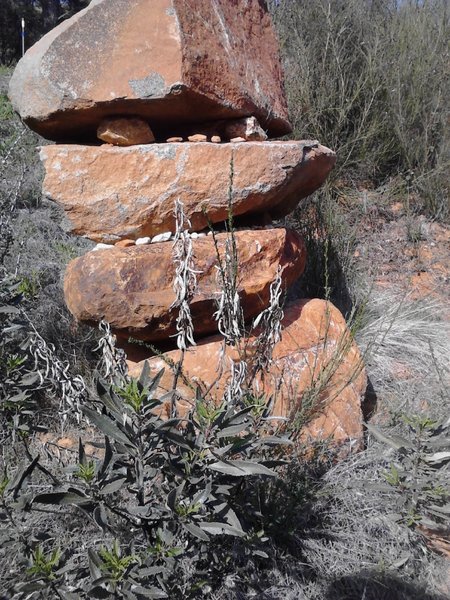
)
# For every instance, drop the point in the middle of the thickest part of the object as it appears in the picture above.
(40, 16)
(371, 80)
(161, 493)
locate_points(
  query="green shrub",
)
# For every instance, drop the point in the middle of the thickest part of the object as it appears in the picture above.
(6, 111)
(162, 493)
(371, 80)
(420, 471)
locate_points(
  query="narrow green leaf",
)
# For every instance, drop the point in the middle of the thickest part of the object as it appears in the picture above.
(100, 517)
(81, 453)
(232, 519)
(95, 564)
(196, 531)
(109, 399)
(237, 418)
(155, 382)
(233, 430)
(107, 426)
(402, 560)
(18, 397)
(113, 486)
(61, 498)
(273, 440)
(107, 458)
(64, 595)
(32, 586)
(444, 510)
(21, 476)
(30, 379)
(176, 438)
(438, 443)
(9, 310)
(145, 373)
(395, 442)
(215, 528)
(438, 458)
(151, 571)
(171, 499)
(149, 591)
(99, 592)
(240, 468)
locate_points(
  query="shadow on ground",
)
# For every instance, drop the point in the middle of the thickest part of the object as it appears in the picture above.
(374, 586)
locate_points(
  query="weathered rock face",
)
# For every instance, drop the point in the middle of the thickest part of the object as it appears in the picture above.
(248, 128)
(132, 288)
(125, 131)
(112, 193)
(317, 373)
(155, 59)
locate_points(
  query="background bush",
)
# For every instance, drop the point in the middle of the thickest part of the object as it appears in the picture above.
(40, 16)
(370, 79)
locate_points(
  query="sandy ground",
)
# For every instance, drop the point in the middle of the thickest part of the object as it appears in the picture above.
(408, 253)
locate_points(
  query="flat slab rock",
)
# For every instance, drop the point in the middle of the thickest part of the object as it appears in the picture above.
(132, 288)
(317, 375)
(111, 193)
(167, 61)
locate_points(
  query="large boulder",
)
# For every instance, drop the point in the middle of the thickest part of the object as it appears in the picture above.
(111, 193)
(317, 379)
(132, 288)
(170, 62)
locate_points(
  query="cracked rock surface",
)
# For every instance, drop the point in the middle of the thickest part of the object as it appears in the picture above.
(132, 288)
(111, 193)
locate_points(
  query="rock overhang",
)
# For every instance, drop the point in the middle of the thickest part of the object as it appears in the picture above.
(112, 193)
(154, 59)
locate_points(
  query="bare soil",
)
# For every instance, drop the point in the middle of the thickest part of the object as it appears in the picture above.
(407, 253)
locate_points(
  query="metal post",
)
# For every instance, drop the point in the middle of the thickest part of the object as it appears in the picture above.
(23, 37)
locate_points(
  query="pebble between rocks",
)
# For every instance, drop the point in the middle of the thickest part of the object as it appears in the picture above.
(162, 237)
(143, 241)
(101, 246)
(197, 137)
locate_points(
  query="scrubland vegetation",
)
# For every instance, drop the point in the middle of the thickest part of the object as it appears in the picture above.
(143, 508)
(370, 79)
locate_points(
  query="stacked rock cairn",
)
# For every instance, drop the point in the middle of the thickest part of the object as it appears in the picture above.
(165, 109)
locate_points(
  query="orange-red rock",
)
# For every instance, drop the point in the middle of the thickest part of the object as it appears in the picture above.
(317, 373)
(125, 243)
(111, 193)
(132, 288)
(249, 129)
(197, 137)
(170, 62)
(125, 131)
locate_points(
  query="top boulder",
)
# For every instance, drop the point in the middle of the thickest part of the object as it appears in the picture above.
(170, 62)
